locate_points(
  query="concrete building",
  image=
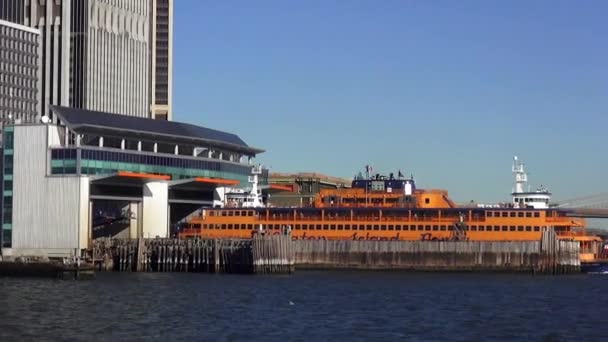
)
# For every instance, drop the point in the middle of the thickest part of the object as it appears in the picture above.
(13, 11)
(300, 189)
(96, 174)
(19, 74)
(95, 55)
(161, 64)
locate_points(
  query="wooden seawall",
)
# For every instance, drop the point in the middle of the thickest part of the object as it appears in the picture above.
(273, 254)
(280, 254)
(546, 256)
(262, 254)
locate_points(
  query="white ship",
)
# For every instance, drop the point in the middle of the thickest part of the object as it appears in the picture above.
(538, 199)
(250, 197)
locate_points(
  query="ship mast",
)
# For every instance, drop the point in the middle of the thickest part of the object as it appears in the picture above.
(520, 175)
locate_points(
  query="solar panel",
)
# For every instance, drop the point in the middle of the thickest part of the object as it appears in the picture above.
(81, 118)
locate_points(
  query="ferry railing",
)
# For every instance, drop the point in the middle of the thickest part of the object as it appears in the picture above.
(558, 219)
(449, 219)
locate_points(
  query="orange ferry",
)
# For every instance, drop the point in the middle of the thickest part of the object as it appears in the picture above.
(392, 208)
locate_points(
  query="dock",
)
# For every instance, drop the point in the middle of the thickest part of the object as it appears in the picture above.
(40, 267)
(261, 254)
(272, 254)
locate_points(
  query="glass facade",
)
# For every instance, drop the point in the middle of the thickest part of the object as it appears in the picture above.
(18, 75)
(99, 161)
(161, 88)
(7, 188)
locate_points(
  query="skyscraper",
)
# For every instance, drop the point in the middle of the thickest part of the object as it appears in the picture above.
(19, 74)
(95, 54)
(12, 10)
(161, 66)
(108, 55)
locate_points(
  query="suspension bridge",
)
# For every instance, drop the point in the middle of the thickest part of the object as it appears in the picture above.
(591, 206)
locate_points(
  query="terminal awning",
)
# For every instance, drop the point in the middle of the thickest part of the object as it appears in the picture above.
(217, 181)
(274, 188)
(128, 178)
(201, 183)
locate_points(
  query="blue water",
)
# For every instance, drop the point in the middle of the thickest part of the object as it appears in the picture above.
(338, 306)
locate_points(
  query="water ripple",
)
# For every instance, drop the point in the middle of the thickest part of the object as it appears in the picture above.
(354, 306)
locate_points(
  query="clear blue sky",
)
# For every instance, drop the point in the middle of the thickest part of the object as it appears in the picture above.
(447, 90)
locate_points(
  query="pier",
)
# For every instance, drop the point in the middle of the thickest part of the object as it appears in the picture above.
(261, 254)
(548, 256)
(272, 254)
(42, 267)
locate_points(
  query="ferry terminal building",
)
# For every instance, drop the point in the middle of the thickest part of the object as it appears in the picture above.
(62, 181)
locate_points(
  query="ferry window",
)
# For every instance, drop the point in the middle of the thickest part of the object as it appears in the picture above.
(347, 227)
(398, 227)
(420, 227)
(368, 227)
(520, 214)
(474, 228)
(489, 214)
(537, 214)
(223, 226)
(250, 226)
(297, 227)
(325, 227)
(528, 214)
(512, 214)
(505, 214)
(435, 227)
(482, 228)
(391, 227)
(536, 228)
(243, 226)
(496, 228)
(520, 228)
(427, 227)
(230, 226)
(318, 227)
(211, 213)
(382, 227)
(361, 227)
(376, 227)
(231, 213)
(505, 228)
(512, 228)
(427, 200)
(237, 213)
(332, 227)
(340, 227)
(443, 228)
(223, 213)
(528, 228)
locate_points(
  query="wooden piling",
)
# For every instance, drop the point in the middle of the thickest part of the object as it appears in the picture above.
(264, 254)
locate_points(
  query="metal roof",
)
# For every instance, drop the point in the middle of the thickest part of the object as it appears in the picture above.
(80, 120)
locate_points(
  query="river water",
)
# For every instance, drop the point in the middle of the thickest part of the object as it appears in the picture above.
(338, 306)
